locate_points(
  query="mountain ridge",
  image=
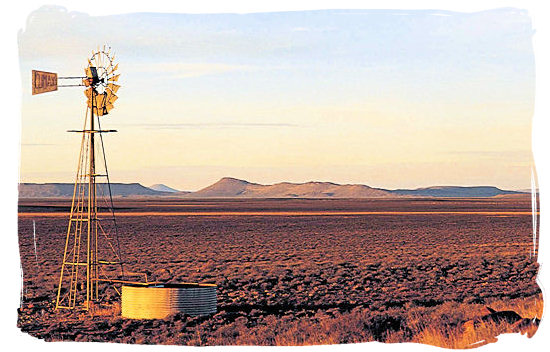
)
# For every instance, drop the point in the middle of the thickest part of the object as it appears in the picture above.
(62, 190)
(453, 191)
(230, 187)
(236, 188)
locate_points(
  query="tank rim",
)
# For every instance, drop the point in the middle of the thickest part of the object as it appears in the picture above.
(169, 285)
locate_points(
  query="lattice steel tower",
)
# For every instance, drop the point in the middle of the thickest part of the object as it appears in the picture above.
(92, 260)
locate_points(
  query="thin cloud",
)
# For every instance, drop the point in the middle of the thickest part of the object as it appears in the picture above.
(186, 70)
(37, 144)
(493, 154)
(164, 126)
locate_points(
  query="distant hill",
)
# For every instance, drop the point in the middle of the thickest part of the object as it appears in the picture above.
(226, 187)
(162, 188)
(50, 190)
(229, 187)
(454, 191)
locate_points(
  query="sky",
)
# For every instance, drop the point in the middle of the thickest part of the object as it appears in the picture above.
(391, 99)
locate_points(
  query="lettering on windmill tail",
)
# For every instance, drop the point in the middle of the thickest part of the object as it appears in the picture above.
(43, 82)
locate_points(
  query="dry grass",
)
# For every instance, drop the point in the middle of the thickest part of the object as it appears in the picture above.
(105, 310)
(474, 333)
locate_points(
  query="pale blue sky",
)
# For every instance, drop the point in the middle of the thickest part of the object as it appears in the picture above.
(343, 96)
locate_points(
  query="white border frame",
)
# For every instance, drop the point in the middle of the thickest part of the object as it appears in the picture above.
(14, 18)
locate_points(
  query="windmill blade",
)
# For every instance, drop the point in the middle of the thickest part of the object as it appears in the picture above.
(99, 112)
(114, 69)
(103, 110)
(109, 107)
(101, 100)
(110, 96)
(88, 93)
(109, 68)
(111, 99)
(113, 87)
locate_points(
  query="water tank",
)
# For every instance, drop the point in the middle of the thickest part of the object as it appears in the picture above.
(157, 301)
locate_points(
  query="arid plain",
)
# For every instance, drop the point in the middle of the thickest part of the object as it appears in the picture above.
(304, 271)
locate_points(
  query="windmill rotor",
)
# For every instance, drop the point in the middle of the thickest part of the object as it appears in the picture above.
(100, 79)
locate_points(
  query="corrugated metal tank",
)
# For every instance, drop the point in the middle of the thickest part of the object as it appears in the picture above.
(160, 300)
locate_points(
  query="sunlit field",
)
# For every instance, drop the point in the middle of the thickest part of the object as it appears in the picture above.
(295, 272)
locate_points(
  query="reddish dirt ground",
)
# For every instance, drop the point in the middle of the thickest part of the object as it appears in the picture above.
(296, 271)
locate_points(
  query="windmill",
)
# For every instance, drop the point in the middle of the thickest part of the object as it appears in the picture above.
(92, 263)
(92, 266)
